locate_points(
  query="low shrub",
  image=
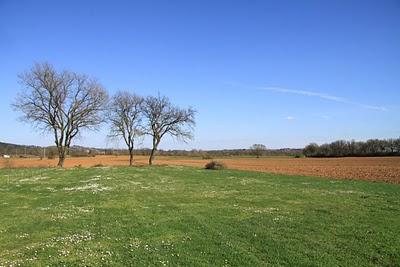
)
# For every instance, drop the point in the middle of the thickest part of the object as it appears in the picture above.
(215, 165)
(99, 165)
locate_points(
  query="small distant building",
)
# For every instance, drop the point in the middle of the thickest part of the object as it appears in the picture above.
(6, 156)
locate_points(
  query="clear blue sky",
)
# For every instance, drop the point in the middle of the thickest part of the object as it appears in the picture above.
(281, 73)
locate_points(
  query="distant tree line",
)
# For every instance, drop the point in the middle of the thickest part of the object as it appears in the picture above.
(79, 151)
(19, 150)
(342, 148)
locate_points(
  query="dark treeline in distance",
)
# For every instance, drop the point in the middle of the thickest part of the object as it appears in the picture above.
(342, 148)
(373, 147)
(25, 151)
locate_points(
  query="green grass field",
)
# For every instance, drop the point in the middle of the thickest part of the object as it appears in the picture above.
(181, 216)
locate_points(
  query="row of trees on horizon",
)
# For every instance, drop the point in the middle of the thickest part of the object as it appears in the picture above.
(342, 148)
(64, 103)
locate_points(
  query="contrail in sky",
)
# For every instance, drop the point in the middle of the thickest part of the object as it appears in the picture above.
(323, 96)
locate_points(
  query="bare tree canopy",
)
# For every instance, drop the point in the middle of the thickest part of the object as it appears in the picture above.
(258, 149)
(63, 103)
(165, 118)
(125, 117)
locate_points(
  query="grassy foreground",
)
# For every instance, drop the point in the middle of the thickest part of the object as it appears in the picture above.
(184, 216)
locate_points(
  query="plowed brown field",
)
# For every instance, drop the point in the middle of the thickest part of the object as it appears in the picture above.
(368, 168)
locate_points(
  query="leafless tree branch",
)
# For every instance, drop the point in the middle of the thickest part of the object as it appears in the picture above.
(125, 117)
(164, 118)
(63, 103)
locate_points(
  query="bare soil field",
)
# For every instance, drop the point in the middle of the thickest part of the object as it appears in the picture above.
(385, 169)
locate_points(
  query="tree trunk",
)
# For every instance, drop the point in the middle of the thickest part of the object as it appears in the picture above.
(61, 157)
(152, 154)
(153, 151)
(130, 158)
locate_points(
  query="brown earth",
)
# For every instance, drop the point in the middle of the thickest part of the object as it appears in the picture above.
(385, 169)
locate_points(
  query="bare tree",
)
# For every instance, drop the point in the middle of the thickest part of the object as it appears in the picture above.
(165, 118)
(258, 149)
(125, 116)
(63, 103)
